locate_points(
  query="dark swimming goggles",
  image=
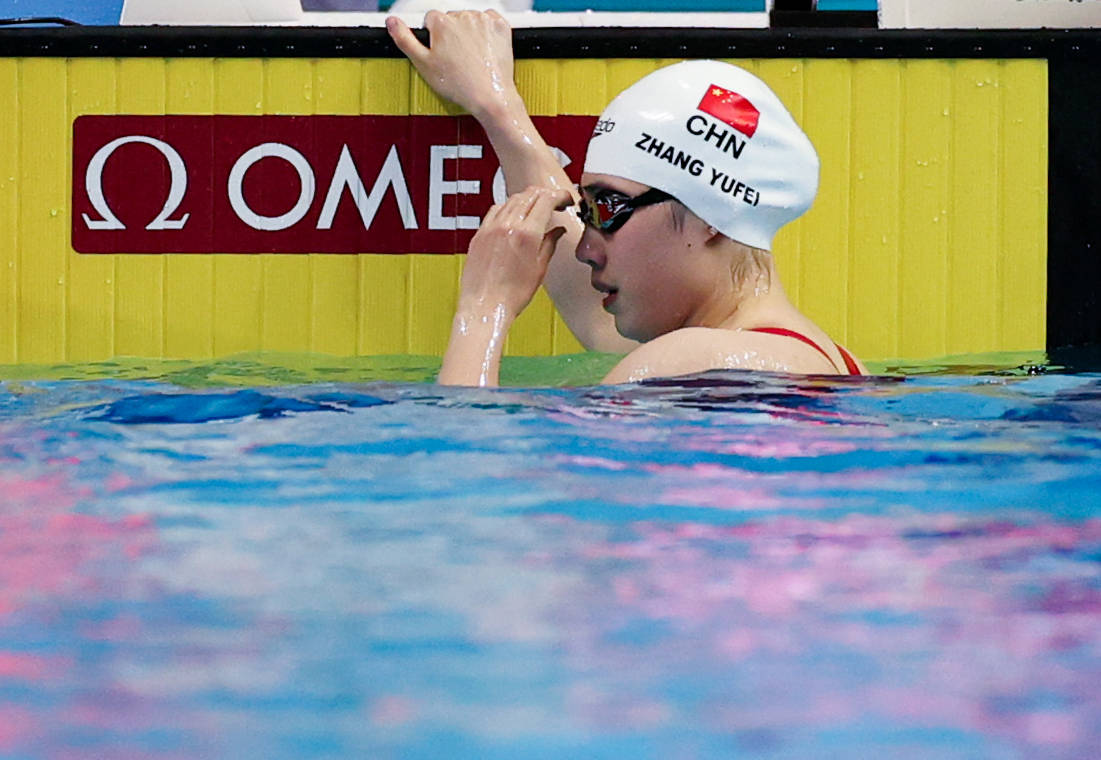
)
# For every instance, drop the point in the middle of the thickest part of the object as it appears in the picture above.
(606, 210)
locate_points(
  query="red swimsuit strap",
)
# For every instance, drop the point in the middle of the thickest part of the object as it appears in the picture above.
(850, 363)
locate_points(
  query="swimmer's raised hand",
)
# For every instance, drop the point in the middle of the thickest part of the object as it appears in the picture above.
(506, 262)
(468, 60)
(508, 257)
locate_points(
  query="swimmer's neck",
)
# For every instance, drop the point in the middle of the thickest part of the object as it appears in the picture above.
(753, 296)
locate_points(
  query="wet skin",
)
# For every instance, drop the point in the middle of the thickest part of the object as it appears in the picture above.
(658, 277)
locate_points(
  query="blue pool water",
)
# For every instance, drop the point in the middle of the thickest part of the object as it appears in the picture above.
(733, 565)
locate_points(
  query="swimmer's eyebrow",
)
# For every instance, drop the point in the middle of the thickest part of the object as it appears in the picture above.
(597, 187)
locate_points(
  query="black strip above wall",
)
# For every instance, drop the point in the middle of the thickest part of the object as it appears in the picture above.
(831, 19)
(339, 42)
(1074, 202)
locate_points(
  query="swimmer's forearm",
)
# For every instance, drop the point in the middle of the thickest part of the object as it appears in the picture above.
(525, 158)
(473, 356)
(526, 161)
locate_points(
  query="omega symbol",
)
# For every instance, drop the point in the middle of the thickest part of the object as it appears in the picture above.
(93, 183)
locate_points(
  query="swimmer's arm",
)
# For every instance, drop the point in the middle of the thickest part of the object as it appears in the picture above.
(526, 160)
(506, 262)
(473, 355)
(470, 63)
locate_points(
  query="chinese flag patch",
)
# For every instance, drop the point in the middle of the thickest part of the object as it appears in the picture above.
(730, 108)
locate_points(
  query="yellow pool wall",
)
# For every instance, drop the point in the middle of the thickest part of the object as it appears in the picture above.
(928, 237)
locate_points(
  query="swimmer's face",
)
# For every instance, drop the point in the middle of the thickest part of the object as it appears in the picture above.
(653, 272)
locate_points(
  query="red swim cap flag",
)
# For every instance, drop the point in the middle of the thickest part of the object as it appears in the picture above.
(730, 107)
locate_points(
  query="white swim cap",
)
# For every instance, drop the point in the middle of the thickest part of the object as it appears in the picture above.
(717, 139)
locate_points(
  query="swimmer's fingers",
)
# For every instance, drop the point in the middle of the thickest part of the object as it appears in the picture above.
(491, 216)
(468, 59)
(520, 222)
(528, 211)
(499, 21)
(550, 242)
(433, 21)
(534, 209)
(544, 206)
(406, 41)
(513, 214)
(547, 200)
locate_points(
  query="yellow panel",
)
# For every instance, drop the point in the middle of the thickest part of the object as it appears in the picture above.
(424, 102)
(823, 271)
(785, 77)
(923, 257)
(433, 291)
(973, 210)
(189, 283)
(335, 279)
(1023, 173)
(562, 340)
(386, 86)
(384, 292)
(288, 89)
(43, 201)
(532, 333)
(383, 326)
(9, 209)
(621, 73)
(573, 98)
(875, 201)
(238, 284)
(537, 82)
(139, 292)
(90, 311)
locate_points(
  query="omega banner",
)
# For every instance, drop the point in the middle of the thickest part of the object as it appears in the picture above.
(291, 184)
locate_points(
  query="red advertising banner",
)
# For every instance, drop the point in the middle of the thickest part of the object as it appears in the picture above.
(291, 184)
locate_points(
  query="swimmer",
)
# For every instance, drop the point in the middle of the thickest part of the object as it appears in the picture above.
(663, 253)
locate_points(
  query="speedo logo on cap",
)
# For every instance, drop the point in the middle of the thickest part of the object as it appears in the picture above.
(730, 108)
(603, 127)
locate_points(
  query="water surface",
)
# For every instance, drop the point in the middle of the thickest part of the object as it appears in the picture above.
(731, 565)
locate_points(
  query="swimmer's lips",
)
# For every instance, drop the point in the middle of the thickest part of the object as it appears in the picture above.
(610, 293)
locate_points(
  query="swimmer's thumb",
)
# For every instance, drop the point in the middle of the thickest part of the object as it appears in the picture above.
(404, 38)
(550, 241)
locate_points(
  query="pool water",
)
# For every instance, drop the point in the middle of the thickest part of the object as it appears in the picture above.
(202, 562)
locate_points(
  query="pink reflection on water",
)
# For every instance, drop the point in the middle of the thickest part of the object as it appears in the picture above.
(392, 710)
(959, 622)
(54, 557)
(23, 666)
(606, 708)
(17, 727)
(720, 487)
(45, 545)
(794, 443)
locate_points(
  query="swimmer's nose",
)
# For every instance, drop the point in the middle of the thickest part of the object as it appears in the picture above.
(590, 249)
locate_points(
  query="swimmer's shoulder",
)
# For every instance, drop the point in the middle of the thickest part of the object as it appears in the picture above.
(698, 349)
